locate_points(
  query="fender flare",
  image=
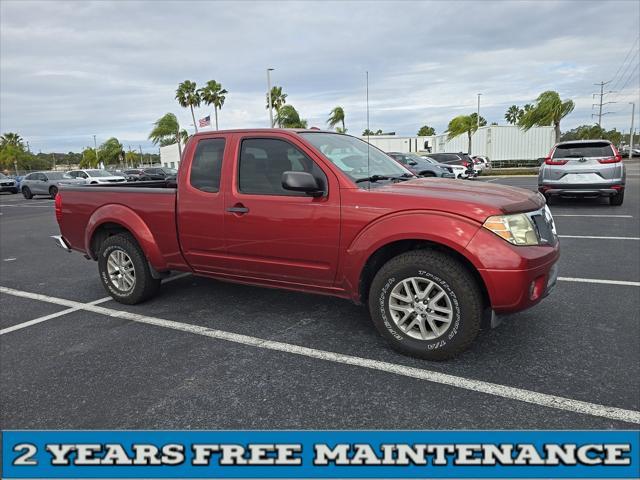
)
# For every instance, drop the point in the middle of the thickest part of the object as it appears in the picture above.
(132, 222)
(451, 231)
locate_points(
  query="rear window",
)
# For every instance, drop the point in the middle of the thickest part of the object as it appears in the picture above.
(580, 150)
(206, 165)
(449, 158)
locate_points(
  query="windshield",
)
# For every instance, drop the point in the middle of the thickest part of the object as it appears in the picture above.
(57, 175)
(98, 173)
(170, 171)
(349, 154)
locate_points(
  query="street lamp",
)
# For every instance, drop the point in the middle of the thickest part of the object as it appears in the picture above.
(478, 119)
(633, 113)
(269, 70)
(95, 147)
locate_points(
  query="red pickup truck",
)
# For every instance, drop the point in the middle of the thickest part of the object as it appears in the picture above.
(325, 213)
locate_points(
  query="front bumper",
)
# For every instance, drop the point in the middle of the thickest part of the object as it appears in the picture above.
(8, 188)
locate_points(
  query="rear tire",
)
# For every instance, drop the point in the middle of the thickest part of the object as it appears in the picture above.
(53, 191)
(124, 270)
(26, 192)
(14, 191)
(616, 200)
(423, 334)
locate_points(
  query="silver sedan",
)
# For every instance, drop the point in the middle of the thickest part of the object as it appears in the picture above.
(46, 183)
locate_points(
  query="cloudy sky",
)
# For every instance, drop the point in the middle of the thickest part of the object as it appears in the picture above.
(70, 70)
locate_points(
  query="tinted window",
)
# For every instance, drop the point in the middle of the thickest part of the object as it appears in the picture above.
(206, 165)
(56, 175)
(264, 160)
(580, 150)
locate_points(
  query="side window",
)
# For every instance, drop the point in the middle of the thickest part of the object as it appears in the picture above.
(42, 176)
(206, 165)
(264, 160)
(29, 177)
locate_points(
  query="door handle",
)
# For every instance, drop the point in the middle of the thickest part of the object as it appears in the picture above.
(238, 208)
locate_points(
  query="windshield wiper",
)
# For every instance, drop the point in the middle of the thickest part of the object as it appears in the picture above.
(377, 178)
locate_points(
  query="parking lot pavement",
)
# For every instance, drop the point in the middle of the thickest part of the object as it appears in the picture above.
(94, 370)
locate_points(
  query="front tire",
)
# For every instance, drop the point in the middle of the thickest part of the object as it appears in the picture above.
(426, 304)
(14, 191)
(26, 193)
(124, 270)
(53, 191)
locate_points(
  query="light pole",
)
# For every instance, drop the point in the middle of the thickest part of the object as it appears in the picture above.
(95, 147)
(478, 119)
(633, 113)
(269, 70)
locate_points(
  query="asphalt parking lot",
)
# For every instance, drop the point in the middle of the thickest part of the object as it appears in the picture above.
(211, 355)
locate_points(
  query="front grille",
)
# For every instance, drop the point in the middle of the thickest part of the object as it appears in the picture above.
(6, 184)
(116, 180)
(544, 226)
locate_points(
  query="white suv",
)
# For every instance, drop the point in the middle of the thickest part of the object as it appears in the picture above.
(96, 176)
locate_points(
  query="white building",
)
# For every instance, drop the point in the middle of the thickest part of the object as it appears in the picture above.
(498, 142)
(169, 156)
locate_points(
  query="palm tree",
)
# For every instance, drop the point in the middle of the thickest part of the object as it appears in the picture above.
(166, 131)
(513, 114)
(462, 124)
(188, 96)
(213, 94)
(548, 110)
(335, 117)
(278, 99)
(288, 117)
(12, 139)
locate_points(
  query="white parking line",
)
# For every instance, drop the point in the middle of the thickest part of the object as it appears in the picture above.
(596, 216)
(599, 238)
(504, 391)
(35, 321)
(597, 280)
(29, 206)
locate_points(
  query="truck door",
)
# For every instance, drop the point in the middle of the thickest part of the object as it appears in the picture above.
(278, 234)
(200, 205)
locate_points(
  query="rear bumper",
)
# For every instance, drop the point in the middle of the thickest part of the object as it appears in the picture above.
(582, 190)
(61, 242)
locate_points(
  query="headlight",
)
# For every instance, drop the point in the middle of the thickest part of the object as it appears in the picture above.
(516, 229)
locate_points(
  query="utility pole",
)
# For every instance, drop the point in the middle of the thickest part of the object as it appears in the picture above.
(141, 156)
(478, 124)
(95, 147)
(601, 102)
(633, 113)
(269, 70)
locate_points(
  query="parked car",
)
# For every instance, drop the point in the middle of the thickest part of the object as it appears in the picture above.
(458, 171)
(624, 151)
(460, 159)
(46, 183)
(484, 160)
(583, 168)
(160, 173)
(432, 260)
(135, 175)
(421, 166)
(93, 177)
(8, 184)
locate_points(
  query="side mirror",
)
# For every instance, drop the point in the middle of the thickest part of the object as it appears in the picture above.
(301, 182)
(412, 163)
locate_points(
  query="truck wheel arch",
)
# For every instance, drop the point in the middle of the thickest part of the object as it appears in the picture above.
(113, 219)
(398, 233)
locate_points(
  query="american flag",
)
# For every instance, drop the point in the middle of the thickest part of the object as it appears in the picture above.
(205, 122)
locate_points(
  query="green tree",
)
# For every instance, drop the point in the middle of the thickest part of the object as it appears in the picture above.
(89, 159)
(474, 116)
(549, 109)
(188, 96)
(213, 94)
(463, 124)
(111, 152)
(592, 132)
(278, 100)
(426, 131)
(11, 139)
(513, 114)
(288, 117)
(166, 131)
(335, 117)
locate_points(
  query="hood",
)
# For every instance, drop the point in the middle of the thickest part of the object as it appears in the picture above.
(477, 200)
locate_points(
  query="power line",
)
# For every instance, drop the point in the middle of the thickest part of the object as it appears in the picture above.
(624, 61)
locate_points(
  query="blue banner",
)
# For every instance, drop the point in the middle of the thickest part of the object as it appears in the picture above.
(320, 454)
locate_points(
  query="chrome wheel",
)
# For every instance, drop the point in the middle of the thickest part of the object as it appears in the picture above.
(420, 308)
(121, 271)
